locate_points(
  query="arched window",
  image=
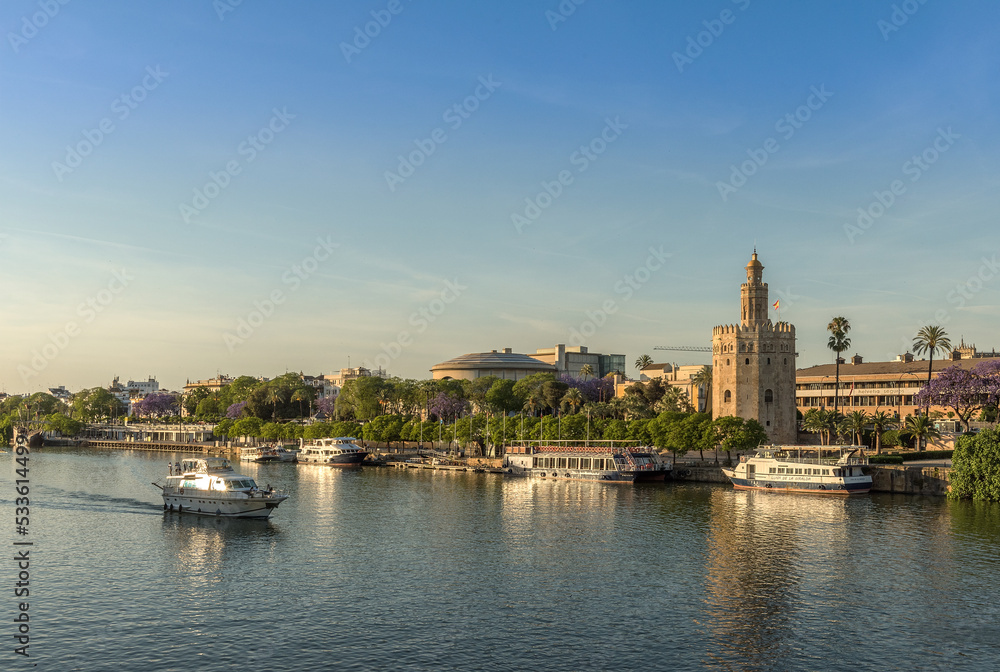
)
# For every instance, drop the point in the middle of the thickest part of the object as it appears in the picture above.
(748, 360)
(768, 396)
(727, 362)
(769, 360)
(727, 397)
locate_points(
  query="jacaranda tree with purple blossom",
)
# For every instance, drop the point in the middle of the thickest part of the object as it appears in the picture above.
(156, 405)
(965, 391)
(236, 410)
(447, 406)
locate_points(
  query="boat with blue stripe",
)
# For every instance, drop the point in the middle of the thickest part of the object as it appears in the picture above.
(821, 470)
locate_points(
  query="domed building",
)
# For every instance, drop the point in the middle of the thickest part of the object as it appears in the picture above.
(502, 364)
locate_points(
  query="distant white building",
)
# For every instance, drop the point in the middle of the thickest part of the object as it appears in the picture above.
(61, 393)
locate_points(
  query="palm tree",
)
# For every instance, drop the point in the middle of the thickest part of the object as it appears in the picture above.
(533, 403)
(814, 421)
(856, 423)
(921, 427)
(642, 362)
(703, 379)
(881, 422)
(586, 371)
(838, 328)
(301, 395)
(931, 339)
(573, 398)
(275, 396)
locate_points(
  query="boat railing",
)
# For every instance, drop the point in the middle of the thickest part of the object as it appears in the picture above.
(829, 461)
(225, 494)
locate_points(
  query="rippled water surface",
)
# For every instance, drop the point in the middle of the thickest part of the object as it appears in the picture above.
(383, 569)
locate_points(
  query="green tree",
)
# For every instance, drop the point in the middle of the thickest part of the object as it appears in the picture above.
(271, 431)
(839, 342)
(663, 431)
(195, 397)
(586, 371)
(223, 427)
(94, 403)
(240, 389)
(735, 433)
(63, 424)
(384, 428)
(931, 339)
(532, 384)
(248, 427)
(208, 407)
(552, 392)
(975, 470)
(501, 397)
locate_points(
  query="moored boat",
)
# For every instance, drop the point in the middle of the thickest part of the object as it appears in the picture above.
(209, 487)
(824, 470)
(341, 451)
(286, 454)
(259, 454)
(596, 461)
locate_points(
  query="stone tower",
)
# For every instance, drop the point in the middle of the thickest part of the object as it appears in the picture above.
(753, 363)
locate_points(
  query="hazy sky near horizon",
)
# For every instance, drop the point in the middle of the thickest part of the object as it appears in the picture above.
(198, 187)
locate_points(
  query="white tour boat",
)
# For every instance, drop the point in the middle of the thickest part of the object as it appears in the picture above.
(824, 470)
(208, 486)
(601, 461)
(336, 452)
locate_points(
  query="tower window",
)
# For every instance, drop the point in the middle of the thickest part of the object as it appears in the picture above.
(769, 360)
(786, 361)
(748, 360)
(727, 362)
(768, 396)
(727, 397)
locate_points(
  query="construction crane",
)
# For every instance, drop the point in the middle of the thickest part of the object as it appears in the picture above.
(689, 348)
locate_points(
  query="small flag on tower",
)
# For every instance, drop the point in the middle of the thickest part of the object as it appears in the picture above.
(775, 304)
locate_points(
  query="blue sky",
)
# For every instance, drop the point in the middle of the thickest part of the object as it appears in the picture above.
(191, 188)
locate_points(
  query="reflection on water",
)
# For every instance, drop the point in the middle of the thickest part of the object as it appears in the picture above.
(442, 570)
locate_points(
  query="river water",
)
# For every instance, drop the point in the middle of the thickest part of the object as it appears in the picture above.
(385, 569)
